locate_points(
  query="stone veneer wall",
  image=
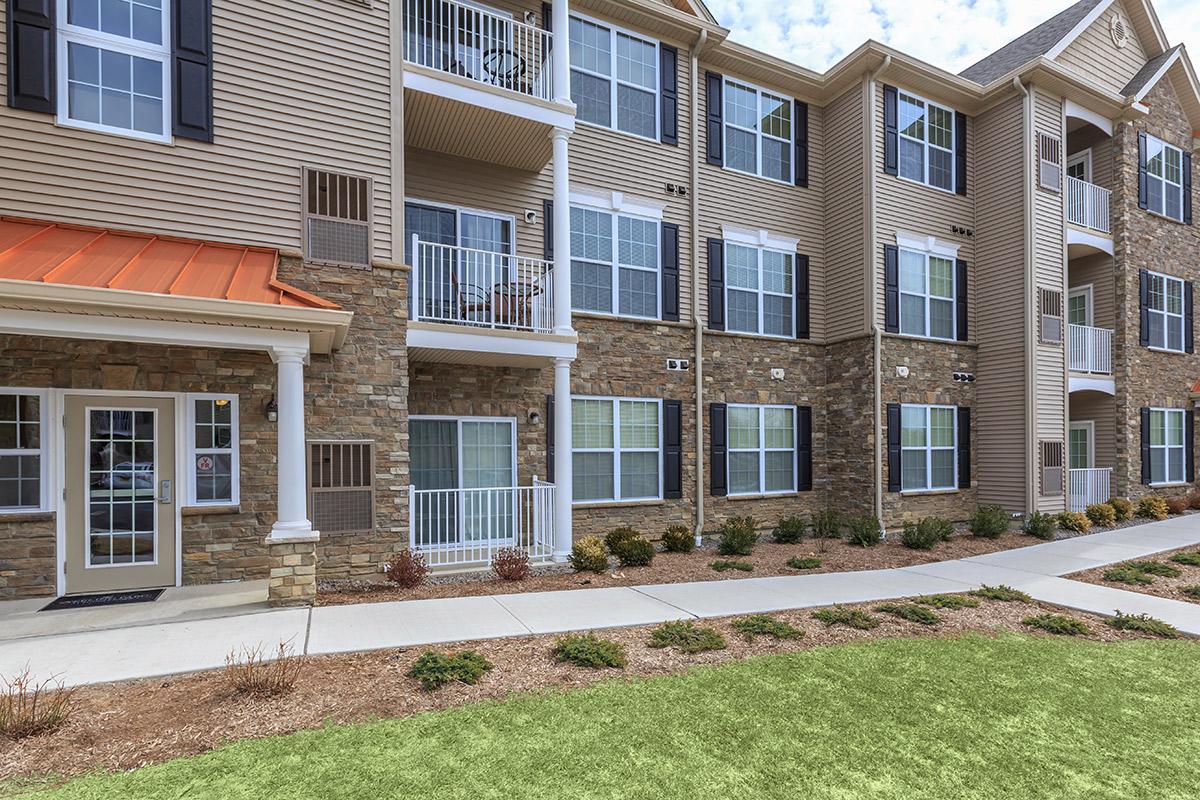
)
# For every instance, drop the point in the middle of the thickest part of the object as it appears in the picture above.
(27, 563)
(850, 420)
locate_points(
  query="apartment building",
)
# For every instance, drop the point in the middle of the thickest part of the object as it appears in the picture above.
(268, 312)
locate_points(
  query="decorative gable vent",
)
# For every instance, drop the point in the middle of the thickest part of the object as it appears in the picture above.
(337, 218)
(1050, 311)
(1052, 468)
(1118, 29)
(341, 486)
(1050, 162)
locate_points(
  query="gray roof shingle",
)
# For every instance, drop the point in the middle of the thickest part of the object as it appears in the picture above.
(1147, 71)
(1028, 46)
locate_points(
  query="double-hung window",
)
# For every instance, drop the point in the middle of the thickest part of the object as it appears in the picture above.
(926, 142)
(1164, 308)
(1167, 454)
(761, 449)
(926, 294)
(615, 263)
(760, 290)
(928, 447)
(22, 450)
(614, 78)
(114, 66)
(1164, 178)
(758, 132)
(213, 449)
(616, 449)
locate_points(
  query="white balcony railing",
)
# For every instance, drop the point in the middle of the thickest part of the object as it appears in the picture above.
(1087, 205)
(1090, 349)
(482, 46)
(465, 527)
(481, 288)
(1088, 486)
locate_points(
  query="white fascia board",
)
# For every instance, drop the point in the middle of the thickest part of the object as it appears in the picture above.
(1079, 28)
(465, 341)
(417, 80)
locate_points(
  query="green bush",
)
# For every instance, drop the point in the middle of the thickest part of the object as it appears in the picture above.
(1152, 507)
(1144, 623)
(1040, 525)
(1075, 521)
(1101, 514)
(725, 566)
(1122, 507)
(864, 531)
(796, 562)
(687, 637)
(634, 553)
(850, 617)
(765, 625)
(738, 535)
(789, 530)
(678, 539)
(1190, 558)
(925, 533)
(614, 538)
(911, 612)
(989, 522)
(1057, 624)
(437, 669)
(1156, 568)
(1002, 593)
(591, 651)
(588, 555)
(951, 602)
(1128, 575)
(827, 524)
(1191, 591)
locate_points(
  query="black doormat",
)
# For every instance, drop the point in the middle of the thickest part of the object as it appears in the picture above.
(99, 600)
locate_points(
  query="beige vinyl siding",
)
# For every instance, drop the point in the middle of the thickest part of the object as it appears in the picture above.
(1100, 143)
(845, 131)
(1098, 271)
(294, 84)
(1099, 408)
(1095, 56)
(1000, 277)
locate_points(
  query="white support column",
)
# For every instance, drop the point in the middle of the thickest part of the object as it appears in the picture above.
(292, 523)
(563, 478)
(562, 233)
(560, 56)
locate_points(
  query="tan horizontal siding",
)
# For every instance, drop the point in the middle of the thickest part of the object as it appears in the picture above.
(1099, 408)
(1098, 271)
(1095, 55)
(845, 129)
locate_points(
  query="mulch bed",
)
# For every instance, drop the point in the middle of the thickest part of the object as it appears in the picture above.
(1161, 587)
(133, 724)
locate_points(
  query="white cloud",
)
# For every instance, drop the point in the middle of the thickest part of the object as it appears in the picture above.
(952, 34)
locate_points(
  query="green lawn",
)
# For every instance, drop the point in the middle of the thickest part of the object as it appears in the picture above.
(1013, 717)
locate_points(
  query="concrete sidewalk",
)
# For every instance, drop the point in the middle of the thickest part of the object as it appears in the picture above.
(144, 650)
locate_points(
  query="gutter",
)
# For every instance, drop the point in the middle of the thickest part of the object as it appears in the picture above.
(697, 323)
(872, 299)
(1031, 305)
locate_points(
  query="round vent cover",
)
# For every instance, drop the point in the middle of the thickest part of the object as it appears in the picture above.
(1119, 30)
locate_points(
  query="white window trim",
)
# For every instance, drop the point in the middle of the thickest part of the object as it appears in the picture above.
(761, 292)
(1166, 184)
(459, 211)
(193, 452)
(1085, 291)
(1168, 316)
(512, 422)
(929, 244)
(929, 449)
(43, 451)
(613, 80)
(759, 238)
(757, 130)
(1167, 448)
(616, 450)
(762, 449)
(616, 205)
(926, 145)
(1082, 157)
(1089, 426)
(931, 247)
(92, 38)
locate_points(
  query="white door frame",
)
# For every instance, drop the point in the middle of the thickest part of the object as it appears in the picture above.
(1082, 157)
(1090, 427)
(1085, 291)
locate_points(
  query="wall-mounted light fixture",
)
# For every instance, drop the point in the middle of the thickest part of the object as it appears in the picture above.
(534, 417)
(272, 410)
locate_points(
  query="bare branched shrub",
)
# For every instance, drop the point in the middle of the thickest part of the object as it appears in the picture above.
(254, 673)
(29, 707)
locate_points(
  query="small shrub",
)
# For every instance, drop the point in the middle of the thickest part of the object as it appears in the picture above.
(678, 539)
(1194, 501)
(588, 555)
(1190, 558)
(765, 625)
(850, 617)
(1002, 593)
(590, 651)
(435, 670)
(634, 553)
(827, 524)
(951, 602)
(614, 538)
(925, 533)
(1057, 624)
(687, 637)
(1101, 514)
(252, 674)
(29, 708)
(1075, 521)
(1152, 507)
(796, 562)
(725, 566)
(789, 530)
(1144, 623)
(864, 531)
(1127, 575)
(910, 612)
(1157, 568)
(1040, 525)
(511, 564)
(1177, 505)
(988, 522)
(738, 536)
(1123, 507)
(407, 569)
(1191, 591)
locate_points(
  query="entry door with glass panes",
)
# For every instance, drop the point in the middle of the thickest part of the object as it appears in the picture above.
(120, 493)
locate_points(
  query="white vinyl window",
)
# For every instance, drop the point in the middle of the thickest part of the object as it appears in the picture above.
(22, 450)
(615, 263)
(114, 66)
(1168, 460)
(761, 449)
(759, 290)
(758, 132)
(926, 294)
(213, 469)
(1164, 178)
(614, 77)
(1164, 308)
(928, 448)
(616, 449)
(926, 142)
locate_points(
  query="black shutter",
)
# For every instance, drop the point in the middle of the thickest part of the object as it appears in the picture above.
(192, 52)
(547, 17)
(31, 55)
(1189, 345)
(718, 486)
(714, 153)
(672, 449)
(891, 132)
(804, 448)
(670, 271)
(1144, 303)
(893, 446)
(1143, 195)
(550, 438)
(891, 288)
(668, 76)
(960, 289)
(800, 129)
(964, 447)
(802, 298)
(1187, 188)
(1145, 445)
(548, 230)
(1189, 441)
(716, 284)
(960, 153)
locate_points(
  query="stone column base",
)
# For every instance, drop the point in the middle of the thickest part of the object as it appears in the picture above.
(293, 572)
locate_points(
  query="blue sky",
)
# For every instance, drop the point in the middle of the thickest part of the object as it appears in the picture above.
(951, 34)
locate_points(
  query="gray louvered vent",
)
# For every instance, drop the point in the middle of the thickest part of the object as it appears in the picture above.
(1052, 468)
(337, 218)
(341, 486)
(1050, 171)
(1051, 313)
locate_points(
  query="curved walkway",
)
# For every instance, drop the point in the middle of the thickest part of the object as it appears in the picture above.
(137, 650)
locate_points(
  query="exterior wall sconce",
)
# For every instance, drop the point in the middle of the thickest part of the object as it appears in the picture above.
(272, 410)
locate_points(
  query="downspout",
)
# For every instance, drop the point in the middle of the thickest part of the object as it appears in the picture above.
(697, 323)
(872, 299)
(1030, 305)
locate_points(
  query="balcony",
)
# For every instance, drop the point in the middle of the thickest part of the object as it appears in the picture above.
(1090, 349)
(463, 528)
(1087, 487)
(479, 84)
(1089, 220)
